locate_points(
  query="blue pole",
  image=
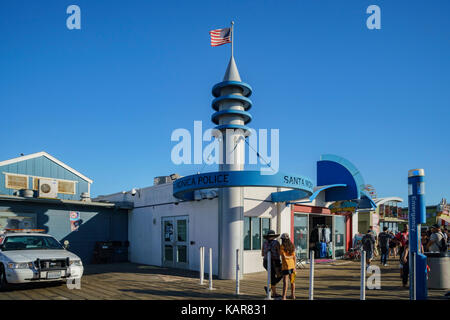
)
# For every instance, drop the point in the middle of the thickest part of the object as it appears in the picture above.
(417, 216)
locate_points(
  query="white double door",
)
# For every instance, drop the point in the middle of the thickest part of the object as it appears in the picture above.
(175, 242)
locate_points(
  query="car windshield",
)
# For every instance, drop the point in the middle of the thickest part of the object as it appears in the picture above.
(30, 243)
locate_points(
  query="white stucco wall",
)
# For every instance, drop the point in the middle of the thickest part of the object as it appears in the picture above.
(151, 204)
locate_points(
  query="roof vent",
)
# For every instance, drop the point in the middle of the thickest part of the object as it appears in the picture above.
(27, 193)
(165, 179)
(85, 197)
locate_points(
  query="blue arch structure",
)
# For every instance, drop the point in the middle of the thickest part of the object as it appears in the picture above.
(338, 178)
(184, 188)
(332, 169)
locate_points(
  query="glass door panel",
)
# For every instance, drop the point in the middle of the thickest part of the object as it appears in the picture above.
(168, 241)
(181, 242)
(175, 242)
(339, 234)
(301, 236)
(182, 254)
(168, 253)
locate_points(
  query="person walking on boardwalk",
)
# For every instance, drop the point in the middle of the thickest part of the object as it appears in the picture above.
(288, 264)
(375, 247)
(393, 246)
(404, 262)
(402, 238)
(368, 243)
(273, 246)
(383, 241)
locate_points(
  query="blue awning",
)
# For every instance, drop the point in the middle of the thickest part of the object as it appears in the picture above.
(366, 202)
(292, 195)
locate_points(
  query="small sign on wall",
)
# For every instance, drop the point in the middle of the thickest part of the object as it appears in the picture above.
(74, 220)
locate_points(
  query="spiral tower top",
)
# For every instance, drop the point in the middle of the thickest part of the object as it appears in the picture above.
(231, 101)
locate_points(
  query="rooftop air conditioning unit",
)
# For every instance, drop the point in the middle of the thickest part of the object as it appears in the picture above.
(165, 179)
(48, 188)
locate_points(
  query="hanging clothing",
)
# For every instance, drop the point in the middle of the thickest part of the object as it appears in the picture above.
(320, 233)
(327, 234)
(323, 250)
(330, 249)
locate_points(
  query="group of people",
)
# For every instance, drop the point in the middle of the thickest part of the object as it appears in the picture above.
(283, 257)
(282, 262)
(434, 240)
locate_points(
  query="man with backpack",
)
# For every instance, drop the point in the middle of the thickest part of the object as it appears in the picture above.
(368, 243)
(374, 233)
(438, 242)
(383, 241)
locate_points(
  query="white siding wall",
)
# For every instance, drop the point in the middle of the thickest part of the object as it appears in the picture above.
(146, 237)
(157, 202)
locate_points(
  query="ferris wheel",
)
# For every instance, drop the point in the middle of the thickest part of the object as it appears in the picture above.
(371, 190)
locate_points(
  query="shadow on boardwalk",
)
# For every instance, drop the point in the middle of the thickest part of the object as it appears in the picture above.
(141, 282)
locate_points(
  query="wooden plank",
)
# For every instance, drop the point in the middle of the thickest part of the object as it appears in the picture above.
(131, 281)
(107, 290)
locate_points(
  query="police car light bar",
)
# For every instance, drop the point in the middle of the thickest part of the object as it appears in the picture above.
(24, 230)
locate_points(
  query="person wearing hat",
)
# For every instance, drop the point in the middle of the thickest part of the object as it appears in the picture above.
(288, 264)
(272, 245)
(435, 243)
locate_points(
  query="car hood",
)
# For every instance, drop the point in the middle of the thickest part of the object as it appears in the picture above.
(32, 255)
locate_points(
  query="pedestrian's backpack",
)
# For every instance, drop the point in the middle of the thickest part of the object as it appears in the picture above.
(367, 243)
(443, 244)
(383, 239)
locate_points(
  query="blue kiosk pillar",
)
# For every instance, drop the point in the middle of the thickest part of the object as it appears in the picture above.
(417, 216)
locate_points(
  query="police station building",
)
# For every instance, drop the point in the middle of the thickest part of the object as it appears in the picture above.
(232, 209)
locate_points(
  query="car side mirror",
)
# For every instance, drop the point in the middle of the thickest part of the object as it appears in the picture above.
(66, 244)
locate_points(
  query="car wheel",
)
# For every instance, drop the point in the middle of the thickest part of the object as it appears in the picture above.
(3, 282)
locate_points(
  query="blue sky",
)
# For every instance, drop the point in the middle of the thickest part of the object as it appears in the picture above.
(105, 99)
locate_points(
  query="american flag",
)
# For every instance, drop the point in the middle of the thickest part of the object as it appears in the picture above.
(220, 37)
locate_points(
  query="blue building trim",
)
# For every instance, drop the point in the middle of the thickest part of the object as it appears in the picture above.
(247, 116)
(245, 87)
(246, 103)
(184, 188)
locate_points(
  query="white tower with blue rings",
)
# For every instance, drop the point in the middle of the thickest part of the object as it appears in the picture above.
(231, 104)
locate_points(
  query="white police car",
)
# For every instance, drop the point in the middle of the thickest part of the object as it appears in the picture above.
(30, 256)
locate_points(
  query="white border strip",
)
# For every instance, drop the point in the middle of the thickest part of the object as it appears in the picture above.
(45, 154)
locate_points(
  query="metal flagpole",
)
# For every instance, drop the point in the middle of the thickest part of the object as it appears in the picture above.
(232, 37)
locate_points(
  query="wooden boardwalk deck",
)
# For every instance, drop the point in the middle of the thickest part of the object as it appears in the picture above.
(126, 281)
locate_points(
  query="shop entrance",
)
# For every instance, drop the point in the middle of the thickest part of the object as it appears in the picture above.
(175, 242)
(325, 234)
(321, 236)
